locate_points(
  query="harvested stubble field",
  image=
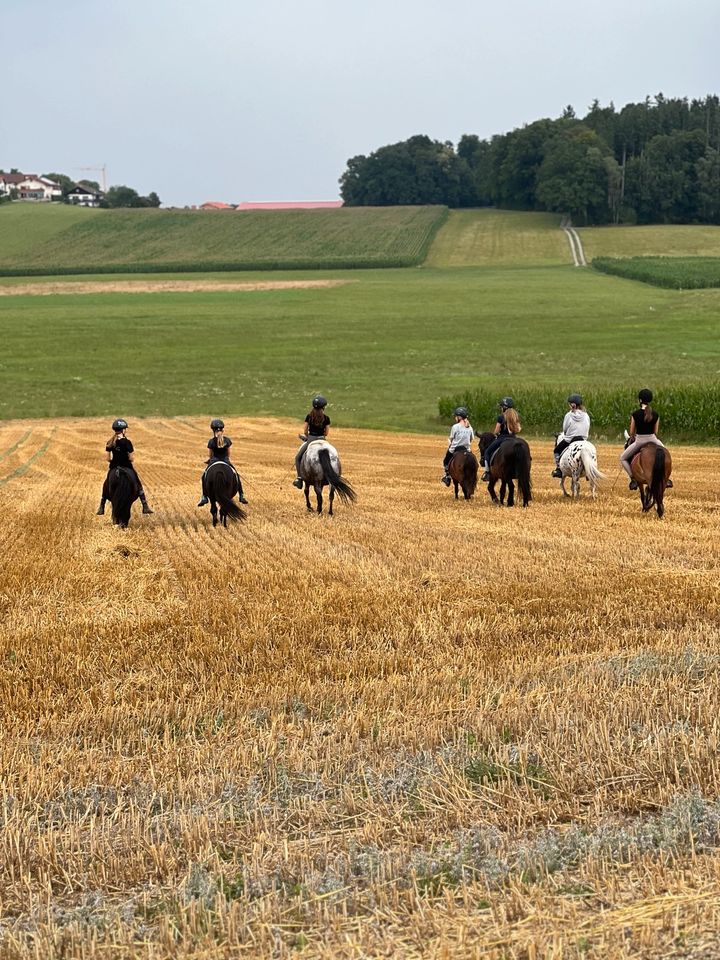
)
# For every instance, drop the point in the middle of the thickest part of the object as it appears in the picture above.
(420, 728)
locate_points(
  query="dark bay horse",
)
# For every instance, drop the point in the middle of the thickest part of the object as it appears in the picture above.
(651, 469)
(511, 462)
(123, 490)
(463, 470)
(320, 467)
(221, 485)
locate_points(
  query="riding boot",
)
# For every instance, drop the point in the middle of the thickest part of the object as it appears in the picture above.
(557, 472)
(446, 478)
(485, 478)
(101, 509)
(298, 483)
(143, 501)
(669, 483)
(633, 485)
(241, 494)
(203, 500)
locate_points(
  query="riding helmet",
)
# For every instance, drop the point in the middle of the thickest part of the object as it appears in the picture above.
(575, 398)
(319, 402)
(461, 412)
(119, 425)
(507, 402)
(217, 424)
(645, 395)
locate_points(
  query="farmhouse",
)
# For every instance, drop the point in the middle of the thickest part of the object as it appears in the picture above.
(28, 186)
(84, 196)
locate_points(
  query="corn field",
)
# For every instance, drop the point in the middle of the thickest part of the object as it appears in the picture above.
(422, 728)
(678, 273)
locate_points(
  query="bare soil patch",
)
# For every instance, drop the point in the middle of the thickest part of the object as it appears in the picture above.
(160, 286)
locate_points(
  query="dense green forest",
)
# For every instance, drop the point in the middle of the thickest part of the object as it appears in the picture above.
(657, 161)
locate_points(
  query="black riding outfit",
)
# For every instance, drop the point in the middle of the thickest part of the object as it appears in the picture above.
(120, 451)
(221, 455)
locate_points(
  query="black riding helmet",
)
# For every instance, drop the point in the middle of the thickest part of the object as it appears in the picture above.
(217, 424)
(461, 412)
(319, 402)
(507, 402)
(575, 398)
(119, 425)
(645, 395)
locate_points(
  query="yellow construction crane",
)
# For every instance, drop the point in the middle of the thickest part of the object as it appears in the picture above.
(101, 170)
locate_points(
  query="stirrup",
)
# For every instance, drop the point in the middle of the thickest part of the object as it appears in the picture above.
(557, 472)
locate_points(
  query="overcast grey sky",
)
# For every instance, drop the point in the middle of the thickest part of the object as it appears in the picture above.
(246, 100)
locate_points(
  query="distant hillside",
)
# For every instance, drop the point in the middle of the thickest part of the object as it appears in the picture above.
(50, 239)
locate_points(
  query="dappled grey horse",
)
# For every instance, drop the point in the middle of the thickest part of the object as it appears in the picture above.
(320, 467)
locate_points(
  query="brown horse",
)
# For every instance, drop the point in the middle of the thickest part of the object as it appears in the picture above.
(511, 462)
(651, 469)
(463, 470)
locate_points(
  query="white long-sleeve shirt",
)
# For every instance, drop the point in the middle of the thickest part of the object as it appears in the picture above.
(460, 436)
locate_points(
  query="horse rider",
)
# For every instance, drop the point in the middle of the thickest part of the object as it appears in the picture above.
(461, 438)
(507, 426)
(576, 426)
(316, 427)
(119, 453)
(644, 424)
(219, 447)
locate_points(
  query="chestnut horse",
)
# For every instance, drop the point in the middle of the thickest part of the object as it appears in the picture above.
(511, 462)
(463, 470)
(651, 469)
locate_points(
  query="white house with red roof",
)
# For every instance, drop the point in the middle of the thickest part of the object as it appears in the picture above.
(28, 186)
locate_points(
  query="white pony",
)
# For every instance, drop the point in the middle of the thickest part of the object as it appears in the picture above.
(579, 459)
(320, 467)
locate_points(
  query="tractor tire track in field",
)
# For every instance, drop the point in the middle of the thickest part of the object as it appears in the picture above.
(18, 443)
(576, 247)
(25, 466)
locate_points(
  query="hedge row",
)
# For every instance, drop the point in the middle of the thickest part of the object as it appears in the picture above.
(677, 273)
(689, 412)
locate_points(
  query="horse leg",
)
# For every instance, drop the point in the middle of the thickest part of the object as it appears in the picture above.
(491, 488)
(214, 512)
(503, 491)
(455, 484)
(307, 497)
(562, 486)
(331, 498)
(511, 494)
(318, 494)
(575, 485)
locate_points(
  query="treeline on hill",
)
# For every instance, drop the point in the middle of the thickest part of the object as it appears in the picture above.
(657, 161)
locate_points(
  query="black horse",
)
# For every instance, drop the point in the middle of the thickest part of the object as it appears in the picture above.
(511, 462)
(221, 485)
(123, 490)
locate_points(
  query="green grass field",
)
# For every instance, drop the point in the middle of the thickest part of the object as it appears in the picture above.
(60, 239)
(383, 349)
(472, 238)
(652, 241)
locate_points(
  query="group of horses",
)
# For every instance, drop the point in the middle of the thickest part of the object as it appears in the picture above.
(320, 467)
(651, 469)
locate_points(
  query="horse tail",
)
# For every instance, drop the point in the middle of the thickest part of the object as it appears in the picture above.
(342, 487)
(230, 508)
(470, 474)
(590, 465)
(657, 480)
(522, 466)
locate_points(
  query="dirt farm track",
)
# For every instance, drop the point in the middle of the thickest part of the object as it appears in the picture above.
(419, 728)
